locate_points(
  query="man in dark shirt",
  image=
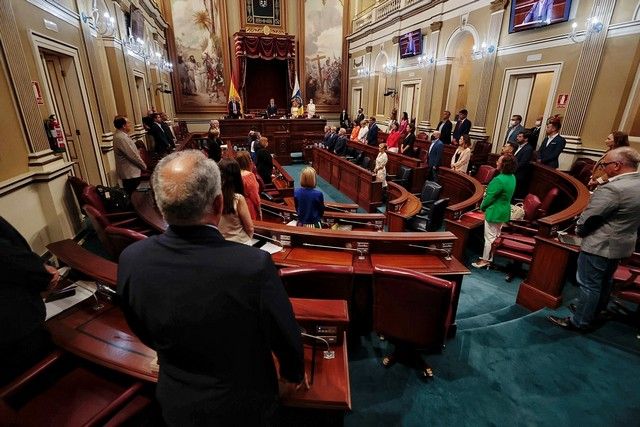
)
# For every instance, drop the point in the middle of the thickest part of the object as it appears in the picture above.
(24, 340)
(214, 310)
(162, 141)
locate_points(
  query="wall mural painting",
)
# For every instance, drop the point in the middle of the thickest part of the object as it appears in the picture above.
(323, 51)
(199, 29)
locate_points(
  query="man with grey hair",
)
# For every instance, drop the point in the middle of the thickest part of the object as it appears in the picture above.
(608, 227)
(215, 311)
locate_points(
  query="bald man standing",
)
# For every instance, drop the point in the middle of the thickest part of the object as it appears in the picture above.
(214, 310)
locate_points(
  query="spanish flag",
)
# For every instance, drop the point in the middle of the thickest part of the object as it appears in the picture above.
(233, 94)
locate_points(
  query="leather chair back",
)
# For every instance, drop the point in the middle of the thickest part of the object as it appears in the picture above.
(437, 215)
(90, 197)
(99, 222)
(319, 282)
(119, 238)
(366, 162)
(403, 176)
(548, 200)
(485, 174)
(77, 186)
(430, 192)
(531, 204)
(411, 307)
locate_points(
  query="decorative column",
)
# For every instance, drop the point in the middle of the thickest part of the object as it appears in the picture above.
(37, 141)
(497, 8)
(586, 72)
(434, 38)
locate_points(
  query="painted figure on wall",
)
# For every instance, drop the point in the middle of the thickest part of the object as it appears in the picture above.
(323, 51)
(197, 27)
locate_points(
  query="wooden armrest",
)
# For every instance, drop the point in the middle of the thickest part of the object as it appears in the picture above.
(26, 377)
(101, 417)
(121, 214)
(521, 226)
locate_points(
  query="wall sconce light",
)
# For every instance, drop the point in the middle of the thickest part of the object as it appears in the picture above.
(482, 51)
(591, 26)
(104, 23)
(388, 68)
(136, 46)
(363, 72)
(424, 61)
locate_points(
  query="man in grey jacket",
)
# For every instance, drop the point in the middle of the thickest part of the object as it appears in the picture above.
(608, 228)
(129, 164)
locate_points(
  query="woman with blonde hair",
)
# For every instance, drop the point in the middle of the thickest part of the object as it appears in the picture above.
(309, 201)
(614, 140)
(460, 159)
(235, 223)
(381, 165)
(250, 183)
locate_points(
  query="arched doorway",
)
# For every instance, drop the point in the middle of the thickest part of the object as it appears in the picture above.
(459, 50)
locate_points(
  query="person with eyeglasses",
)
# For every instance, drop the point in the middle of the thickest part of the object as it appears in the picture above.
(609, 228)
(614, 140)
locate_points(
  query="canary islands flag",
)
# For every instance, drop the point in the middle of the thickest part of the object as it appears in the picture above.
(296, 92)
(233, 94)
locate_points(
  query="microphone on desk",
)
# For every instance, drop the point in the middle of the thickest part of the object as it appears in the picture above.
(269, 238)
(97, 305)
(433, 249)
(358, 250)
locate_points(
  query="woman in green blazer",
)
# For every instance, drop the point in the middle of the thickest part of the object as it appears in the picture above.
(496, 205)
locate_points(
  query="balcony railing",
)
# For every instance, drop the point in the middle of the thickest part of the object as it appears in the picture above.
(382, 10)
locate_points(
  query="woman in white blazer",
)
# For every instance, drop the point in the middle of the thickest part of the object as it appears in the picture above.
(460, 159)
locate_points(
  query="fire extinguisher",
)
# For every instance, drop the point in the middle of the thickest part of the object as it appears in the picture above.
(56, 137)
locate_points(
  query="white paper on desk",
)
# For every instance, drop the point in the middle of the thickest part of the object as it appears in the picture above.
(293, 223)
(58, 306)
(271, 248)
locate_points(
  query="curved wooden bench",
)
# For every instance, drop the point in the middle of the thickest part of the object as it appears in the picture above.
(402, 205)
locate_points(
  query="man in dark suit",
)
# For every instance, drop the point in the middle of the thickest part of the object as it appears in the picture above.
(444, 127)
(162, 141)
(272, 109)
(552, 145)
(340, 147)
(234, 108)
(515, 127)
(372, 135)
(333, 138)
(434, 156)
(24, 340)
(344, 120)
(524, 155)
(360, 116)
(463, 126)
(534, 133)
(214, 310)
(609, 229)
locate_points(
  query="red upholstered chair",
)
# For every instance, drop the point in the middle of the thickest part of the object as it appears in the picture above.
(626, 286)
(63, 391)
(516, 241)
(146, 158)
(485, 174)
(100, 222)
(412, 310)
(319, 282)
(119, 238)
(78, 186)
(90, 197)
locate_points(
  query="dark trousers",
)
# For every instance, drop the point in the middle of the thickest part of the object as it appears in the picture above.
(595, 276)
(130, 184)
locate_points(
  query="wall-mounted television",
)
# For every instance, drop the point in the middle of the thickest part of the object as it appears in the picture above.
(411, 44)
(528, 14)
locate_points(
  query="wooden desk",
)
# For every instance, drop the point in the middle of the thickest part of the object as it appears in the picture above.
(547, 274)
(401, 206)
(145, 206)
(103, 337)
(283, 213)
(395, 160)
(88, 263)
(357, 183)
(285, 135)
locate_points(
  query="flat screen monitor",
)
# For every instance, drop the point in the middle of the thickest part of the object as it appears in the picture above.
(528, 14)
(411, 44)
